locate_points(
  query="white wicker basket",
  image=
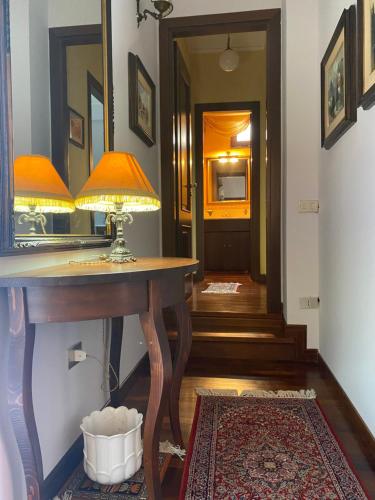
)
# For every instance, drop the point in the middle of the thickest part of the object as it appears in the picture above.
(112, 444)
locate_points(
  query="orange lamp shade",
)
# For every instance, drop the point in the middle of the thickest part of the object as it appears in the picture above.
(118, 179)
(37, 184)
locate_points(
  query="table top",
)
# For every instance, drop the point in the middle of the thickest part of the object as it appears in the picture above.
(81, 273)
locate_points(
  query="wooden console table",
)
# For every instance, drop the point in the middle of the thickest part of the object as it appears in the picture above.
(77, 292)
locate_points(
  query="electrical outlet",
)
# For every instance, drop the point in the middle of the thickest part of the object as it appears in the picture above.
(75, 347)
(309, 303)
(308, 207)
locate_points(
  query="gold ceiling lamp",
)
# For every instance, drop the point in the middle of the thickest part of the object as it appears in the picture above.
(229, 59)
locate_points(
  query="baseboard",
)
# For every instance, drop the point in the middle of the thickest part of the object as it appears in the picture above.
(365, 435)
(59, 475)
(299, 334)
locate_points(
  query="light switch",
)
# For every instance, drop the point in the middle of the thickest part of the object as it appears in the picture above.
(308, 207)
(309, 303)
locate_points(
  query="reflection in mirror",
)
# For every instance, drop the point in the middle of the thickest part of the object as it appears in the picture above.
(229, 179)
(58, 113)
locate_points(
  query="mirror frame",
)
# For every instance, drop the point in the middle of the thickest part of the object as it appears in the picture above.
(10, 244)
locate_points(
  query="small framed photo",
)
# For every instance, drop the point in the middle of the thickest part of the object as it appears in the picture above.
(338, 81)
(76, 129)
(366, 53)
(142, 101)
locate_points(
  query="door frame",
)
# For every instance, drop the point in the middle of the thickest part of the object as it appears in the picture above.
(254, 109)
(182, 27)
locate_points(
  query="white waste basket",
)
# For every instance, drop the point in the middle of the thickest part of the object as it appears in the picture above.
(112, 444)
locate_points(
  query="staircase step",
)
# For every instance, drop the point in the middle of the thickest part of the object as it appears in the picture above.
(235, 323)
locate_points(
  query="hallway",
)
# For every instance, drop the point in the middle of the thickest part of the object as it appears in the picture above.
(250, 299)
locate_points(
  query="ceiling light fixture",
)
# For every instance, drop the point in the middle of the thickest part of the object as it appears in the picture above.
(229, 59)
(163, 7)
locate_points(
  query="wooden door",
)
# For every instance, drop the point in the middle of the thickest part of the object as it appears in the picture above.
(182, 157)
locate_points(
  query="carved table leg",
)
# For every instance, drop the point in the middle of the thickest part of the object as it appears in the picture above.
(115, 359)
(20, 401)
(181, 356)
(161, 373)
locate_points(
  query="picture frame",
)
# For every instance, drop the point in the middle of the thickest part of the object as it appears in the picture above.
(339, 81)
(366, 53)
(76, 128)
(142, 101)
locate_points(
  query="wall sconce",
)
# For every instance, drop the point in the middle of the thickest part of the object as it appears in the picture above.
(163, 7)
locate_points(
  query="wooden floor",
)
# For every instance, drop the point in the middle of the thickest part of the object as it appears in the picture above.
(251, 299)
(269, 377)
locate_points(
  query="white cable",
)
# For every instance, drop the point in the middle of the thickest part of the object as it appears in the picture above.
(107, 377)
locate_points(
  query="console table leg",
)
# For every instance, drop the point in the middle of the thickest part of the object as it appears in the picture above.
(20, 401)
(181, 356)
(161, 374)
(117, 325)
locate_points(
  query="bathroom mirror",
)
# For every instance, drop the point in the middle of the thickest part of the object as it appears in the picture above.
(228, 179)
(56, 92)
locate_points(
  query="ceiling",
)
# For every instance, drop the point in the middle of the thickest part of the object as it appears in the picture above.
(245, 42)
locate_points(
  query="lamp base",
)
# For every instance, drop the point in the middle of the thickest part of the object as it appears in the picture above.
(120, 254)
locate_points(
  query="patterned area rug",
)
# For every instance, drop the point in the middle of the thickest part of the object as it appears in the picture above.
(265, 448)
(80, 487)
(222, 288)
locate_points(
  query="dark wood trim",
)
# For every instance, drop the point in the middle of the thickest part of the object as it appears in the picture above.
(254, 108)
(169, 30)
(65, 467)
(135, 65)
(96, 89)
(60, 39)
(274, 164)
(347, 23)
(356, 422)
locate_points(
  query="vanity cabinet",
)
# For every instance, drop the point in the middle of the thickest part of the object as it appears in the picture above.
(227, 245)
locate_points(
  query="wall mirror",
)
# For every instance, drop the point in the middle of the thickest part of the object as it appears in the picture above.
(228, 179)
(56, 91)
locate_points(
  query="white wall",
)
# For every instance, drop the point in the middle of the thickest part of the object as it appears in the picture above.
(301, 127)
(301, 157)
(347, 249)
(144, 234)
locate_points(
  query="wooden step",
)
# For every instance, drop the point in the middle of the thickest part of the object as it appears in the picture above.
(241, 346)
(238, 323)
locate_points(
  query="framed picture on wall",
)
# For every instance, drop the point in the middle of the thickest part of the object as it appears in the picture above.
(142, 101)
(366, 53)
(338, 81)
(76, 129)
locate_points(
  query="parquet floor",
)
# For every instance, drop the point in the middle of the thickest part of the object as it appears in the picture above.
(252, 296)
(269, 377)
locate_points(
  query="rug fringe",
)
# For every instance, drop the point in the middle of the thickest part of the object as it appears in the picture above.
(201, 391)
(167, 447)
(256, 393)
(301, 394)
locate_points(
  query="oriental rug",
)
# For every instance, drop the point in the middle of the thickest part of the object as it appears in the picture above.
(80, 487)
(265, 446)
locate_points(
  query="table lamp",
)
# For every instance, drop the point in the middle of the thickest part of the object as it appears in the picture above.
(38, 189)
(118, 186)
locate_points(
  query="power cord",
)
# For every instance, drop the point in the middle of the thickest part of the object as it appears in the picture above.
(106, 374)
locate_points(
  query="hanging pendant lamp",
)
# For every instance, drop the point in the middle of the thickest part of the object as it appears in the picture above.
(229, 59)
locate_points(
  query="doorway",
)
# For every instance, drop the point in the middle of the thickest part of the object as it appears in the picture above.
(172, 30)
